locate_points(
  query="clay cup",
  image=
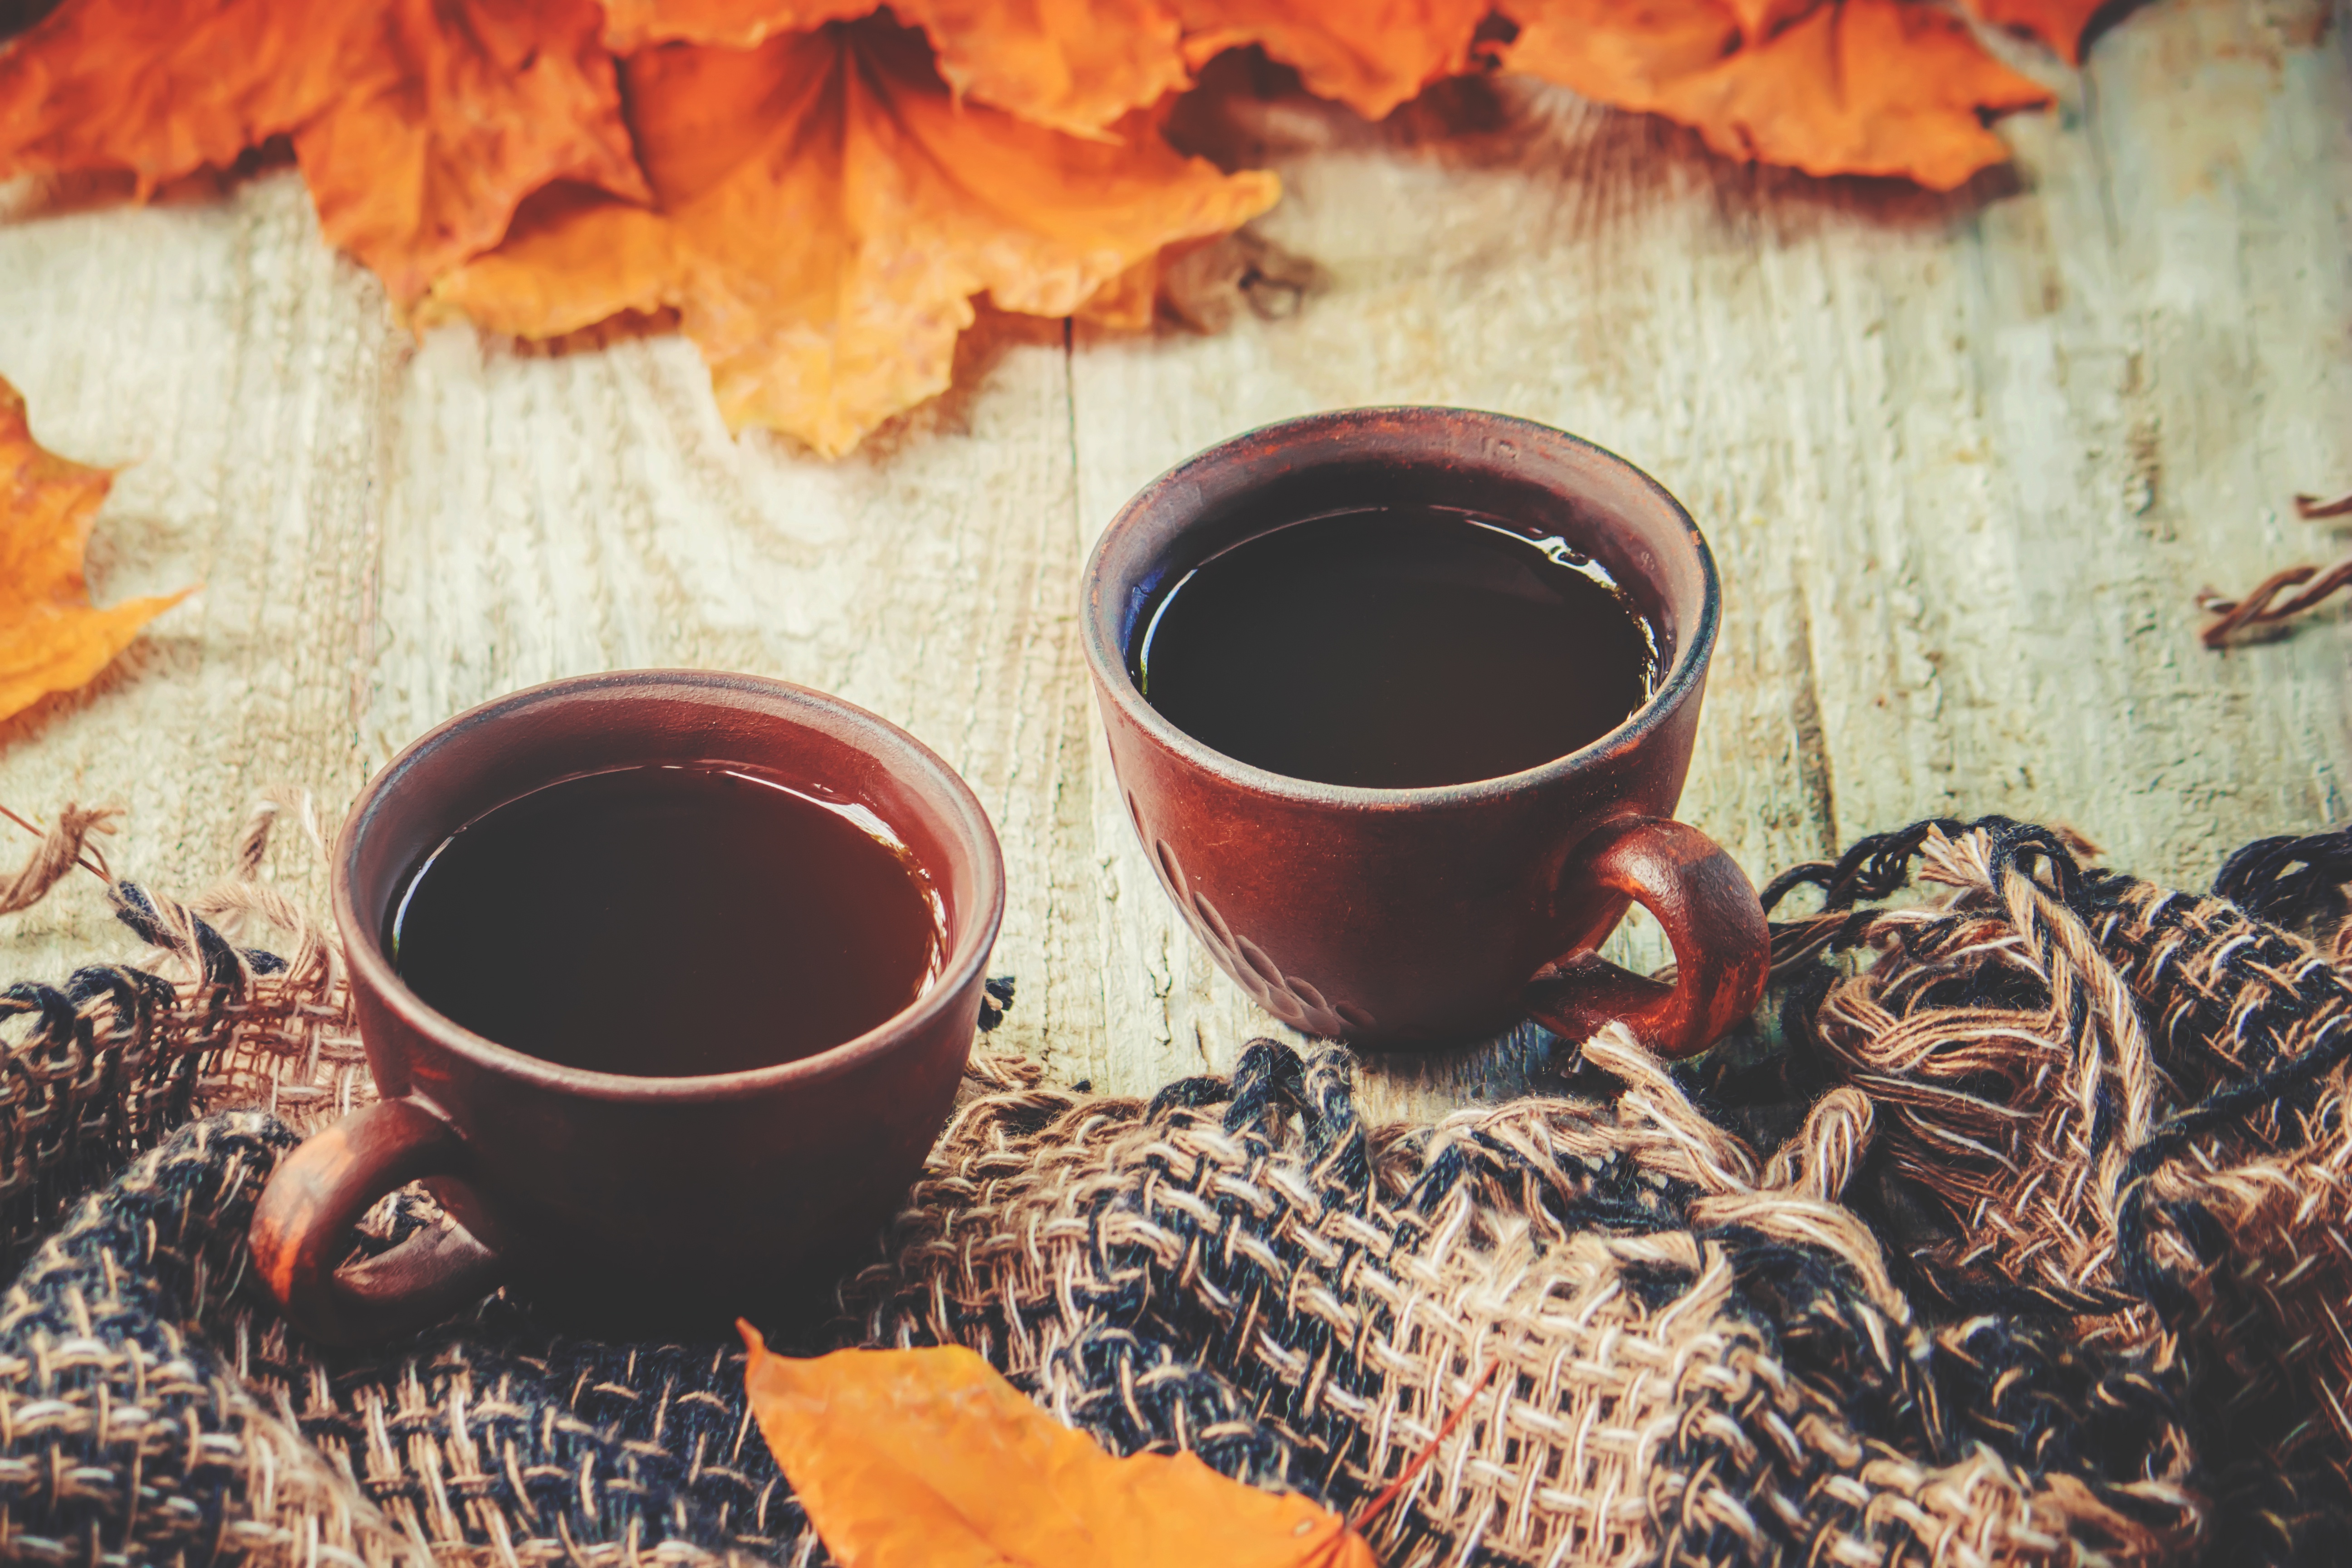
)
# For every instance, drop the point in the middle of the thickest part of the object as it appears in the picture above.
(1436, 916)
(627, 1205)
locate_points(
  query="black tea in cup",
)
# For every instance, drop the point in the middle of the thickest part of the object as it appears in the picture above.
(668, 922)
(1395, 647)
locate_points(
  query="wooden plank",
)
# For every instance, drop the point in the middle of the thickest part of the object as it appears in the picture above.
(2099, 401)
(1963, 460)
(243, 374)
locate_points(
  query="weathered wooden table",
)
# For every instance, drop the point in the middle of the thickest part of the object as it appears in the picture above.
(1964, 462)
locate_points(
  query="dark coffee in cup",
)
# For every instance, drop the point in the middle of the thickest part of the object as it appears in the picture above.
(1396, 646)
(769, 921)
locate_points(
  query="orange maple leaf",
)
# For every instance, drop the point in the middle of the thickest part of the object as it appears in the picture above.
(1370, 55)
(631, 24)
(419, 124)
(2059, 24)
(1854, 86)
(915, 1457)
(51, 637)
(163, 88)
(458, 112)
(827, 212)
(1073, 65)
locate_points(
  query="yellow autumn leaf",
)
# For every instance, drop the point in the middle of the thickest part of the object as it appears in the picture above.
(419, 124)
(827, 212)
(928, 1459)
(1077, 65)
(51, 637)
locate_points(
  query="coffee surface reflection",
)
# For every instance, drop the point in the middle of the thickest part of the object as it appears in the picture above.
(1394, 647)
(668, 922)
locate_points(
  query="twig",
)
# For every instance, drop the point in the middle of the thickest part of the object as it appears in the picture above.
(1389, 1493)
(2257, 608)
(83, 856)
(2312, 506)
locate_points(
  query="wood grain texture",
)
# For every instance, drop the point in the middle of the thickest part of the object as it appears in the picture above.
(1964, 462)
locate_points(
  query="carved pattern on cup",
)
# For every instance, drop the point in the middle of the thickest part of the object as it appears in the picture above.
(1287, 997)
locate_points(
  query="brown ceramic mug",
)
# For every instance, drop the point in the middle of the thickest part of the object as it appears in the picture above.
(631, 1203)
(1431, 916)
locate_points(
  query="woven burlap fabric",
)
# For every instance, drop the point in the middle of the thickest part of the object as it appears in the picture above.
(2129, 1107)
(2016, 1256)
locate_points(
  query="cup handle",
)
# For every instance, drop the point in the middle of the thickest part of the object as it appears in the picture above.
(1723, 950)
(303, 1229)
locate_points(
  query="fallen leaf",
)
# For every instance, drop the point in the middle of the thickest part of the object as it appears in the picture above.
(1370, 55)
(1854, 86)
(2059, 24)
(51, 637)
(917, 1458)
(1129, 302)
(163, 88)
(419, 124)
(1074, 65)
(458, 110)
(1759, 19)
(631, 25)
(900, 205)
(573, 257)
(1627, 53)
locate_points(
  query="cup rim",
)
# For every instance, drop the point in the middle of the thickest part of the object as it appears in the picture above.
(881, 739)
(1109, 661)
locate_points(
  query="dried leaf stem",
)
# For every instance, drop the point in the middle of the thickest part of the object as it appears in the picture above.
(1389, 1493)
(87, 856)
(2263, 607)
